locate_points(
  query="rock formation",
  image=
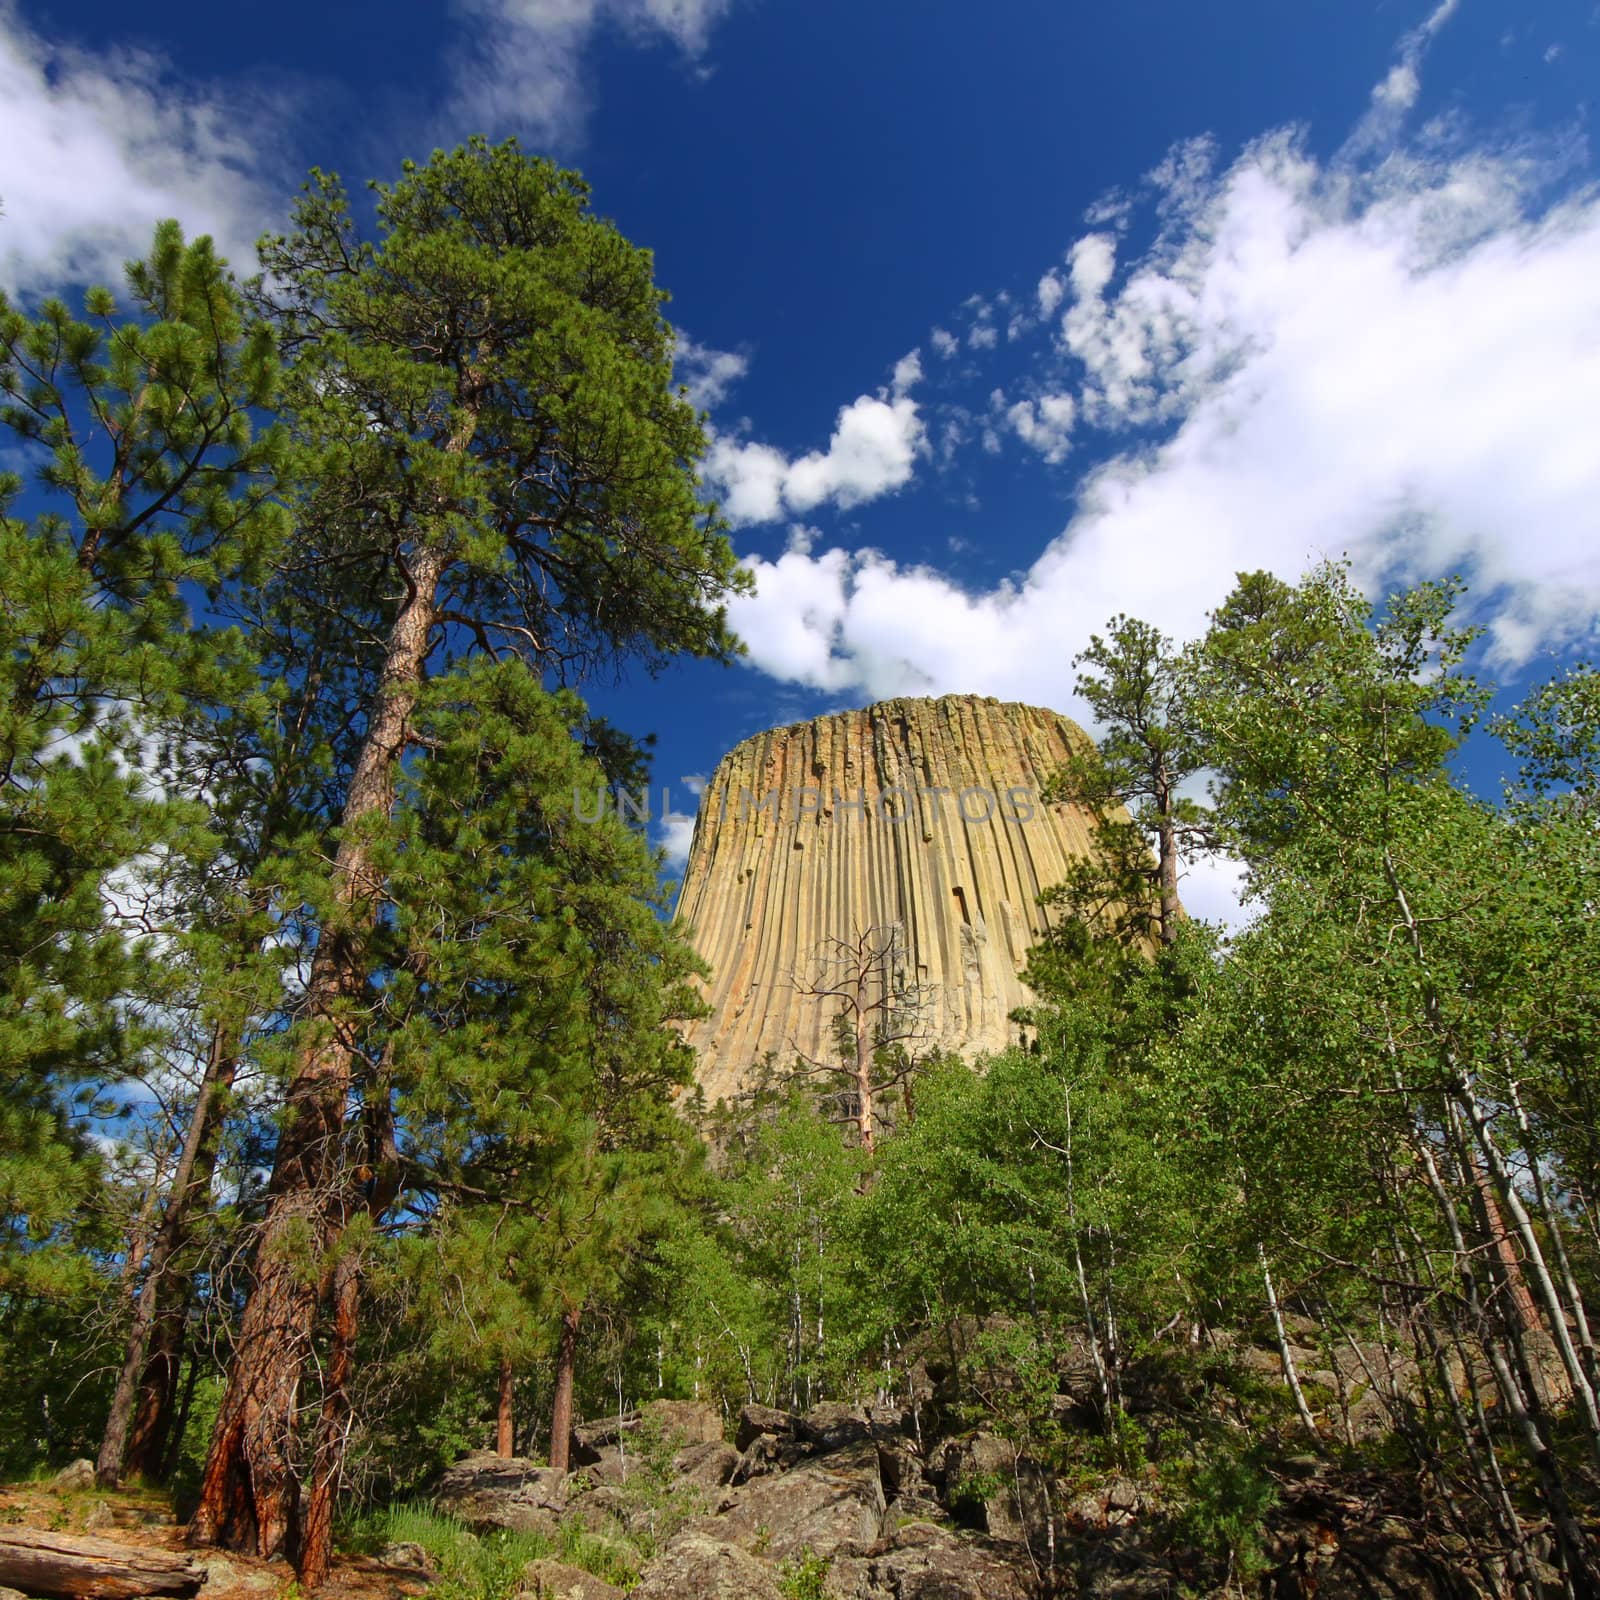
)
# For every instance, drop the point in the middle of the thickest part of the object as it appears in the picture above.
(917, 816)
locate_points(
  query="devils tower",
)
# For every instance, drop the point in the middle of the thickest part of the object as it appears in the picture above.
(921, 816)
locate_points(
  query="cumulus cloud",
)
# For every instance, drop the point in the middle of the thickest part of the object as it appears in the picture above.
(520, 62)
(93, 150)
(706, 373)
(873, 451)
(944, 342)
(1045, 424)
(1401, 364)
(674, 836)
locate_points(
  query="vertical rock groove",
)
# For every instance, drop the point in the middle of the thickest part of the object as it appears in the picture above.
(918, 814)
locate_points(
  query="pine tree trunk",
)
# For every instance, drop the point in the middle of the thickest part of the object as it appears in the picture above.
(505, 1432)
(561, 1406)
(314, 1553)
(217, 1078)
(154, 1415)
(249, 1494)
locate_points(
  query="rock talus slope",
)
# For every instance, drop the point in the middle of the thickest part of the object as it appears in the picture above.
(917, 815)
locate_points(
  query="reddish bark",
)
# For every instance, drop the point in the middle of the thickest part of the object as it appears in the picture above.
(249, 1494)
(505, 1433)
(189, 1182)
(156, 1412)
(561, 1406)
(315, 1551)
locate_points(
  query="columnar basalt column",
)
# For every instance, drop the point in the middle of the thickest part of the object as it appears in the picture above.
(921, 815)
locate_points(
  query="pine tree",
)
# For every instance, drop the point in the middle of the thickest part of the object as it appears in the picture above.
(154, 489)
(493, 441)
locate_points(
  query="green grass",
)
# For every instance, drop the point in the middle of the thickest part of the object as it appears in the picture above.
(486, 1566)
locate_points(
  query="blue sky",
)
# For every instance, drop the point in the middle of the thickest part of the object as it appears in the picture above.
(1005, 320)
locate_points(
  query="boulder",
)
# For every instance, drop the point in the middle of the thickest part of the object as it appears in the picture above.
(834, 1425)
(698, 1566)
(404, 1555)
(685, 1421)
(756, 1422)
(989, 1485)
(77, 1474)
(819, 1507)
(1113, 1502)
(708, 1465)
(768, 1453)
(489, 1491)
(925, 1562)
(555, 1580)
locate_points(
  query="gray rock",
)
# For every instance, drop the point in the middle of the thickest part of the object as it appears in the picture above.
(758, 1421)
(1113, 1502)
(77, 1474)
(709, 1465)
(555, 1580)
(698, 1566)
(986, 1481)
(489, 1491)
(99, 1515)
(817, 1508)
(405, 1555)
(834, 1425)
(924, 1562)
(685, 1421)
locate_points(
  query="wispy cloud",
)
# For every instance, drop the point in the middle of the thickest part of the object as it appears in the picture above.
(94, 150)
(520, 63)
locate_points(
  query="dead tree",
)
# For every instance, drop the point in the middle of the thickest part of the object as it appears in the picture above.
(882, 1020)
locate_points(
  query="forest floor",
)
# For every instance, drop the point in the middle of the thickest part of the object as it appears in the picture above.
(144, 1517)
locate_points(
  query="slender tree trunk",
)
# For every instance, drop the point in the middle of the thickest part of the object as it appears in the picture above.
(153, 1420)
(505, 1432)
(864, 1108)
(1167, 860)
(1291, 1374)
(180, 1421)
(561, 1405)
(249, 1494)
(214, 1082)
(154, 1414)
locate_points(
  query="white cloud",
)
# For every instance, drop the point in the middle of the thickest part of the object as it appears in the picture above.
(674, 835)
(1050, 293)
(520, 63)
(982, 336)
(1395, 94)
(1045, 424)
(1402, 364)
(944, 342)
(1400, 88)
(95, 150)
(873, 451)
(708, 374)
(907, 373)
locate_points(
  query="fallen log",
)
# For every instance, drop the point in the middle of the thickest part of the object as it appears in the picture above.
(80, 1567)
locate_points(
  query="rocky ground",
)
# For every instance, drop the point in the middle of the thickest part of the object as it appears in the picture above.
(838, 1503)
(850, 1504)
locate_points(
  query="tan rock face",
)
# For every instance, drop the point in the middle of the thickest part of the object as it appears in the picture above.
(921, 816)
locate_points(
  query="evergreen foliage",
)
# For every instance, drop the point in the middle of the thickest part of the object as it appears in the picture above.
(343, 1114)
